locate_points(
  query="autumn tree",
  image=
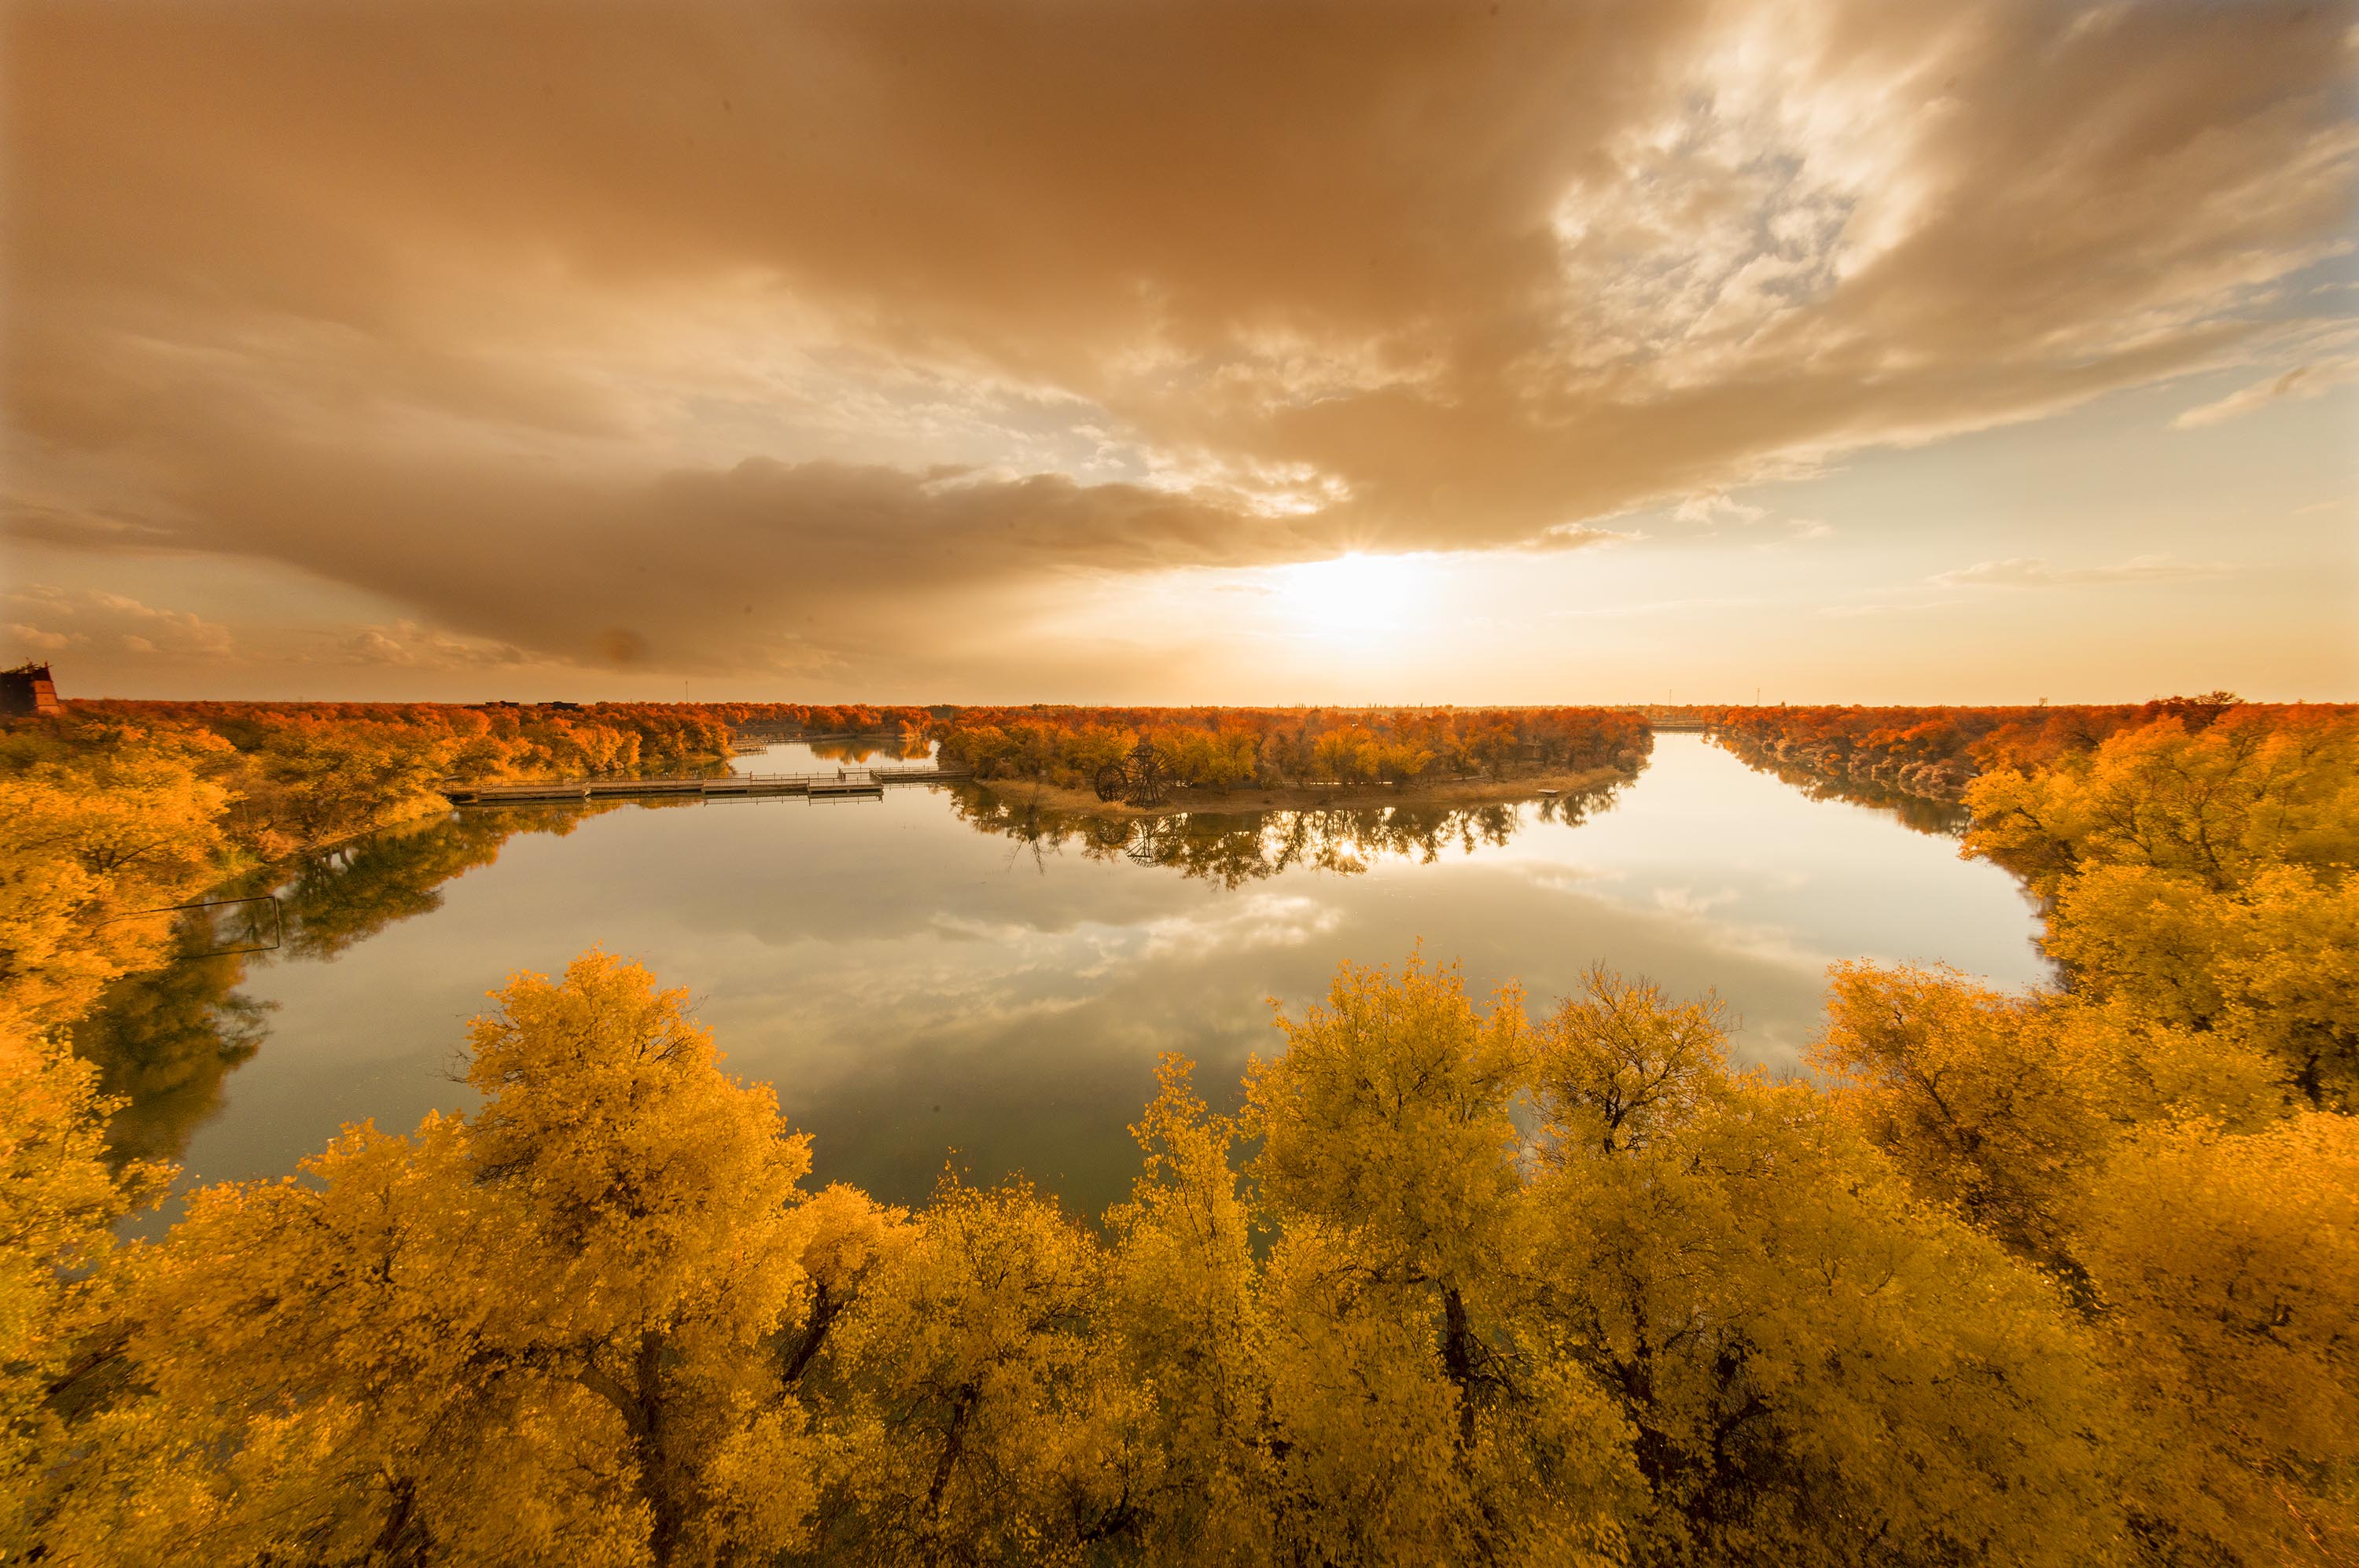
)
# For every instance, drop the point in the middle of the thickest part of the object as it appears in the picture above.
(58, 1199)
(1621, 1059)
(978, 1419)
(1184, 1309)
(2005, 1106)
(2228, 1270)
(2216, 805)
(1387, 1117)
(2202, 878)
(548, 1329)
(1819, 1368)
(2270, 966)
(1421, 1418)
(98, 826)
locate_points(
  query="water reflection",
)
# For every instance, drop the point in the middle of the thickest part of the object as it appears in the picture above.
(1232, 848)
(871, 749)
(826, 753)
(1926, 815)
(941, 971)
(166, 1040)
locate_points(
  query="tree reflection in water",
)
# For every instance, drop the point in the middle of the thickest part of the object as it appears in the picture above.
(1236, 848)
(166, 1041)
(871, 749)
(1941, 819)
(163, 1042)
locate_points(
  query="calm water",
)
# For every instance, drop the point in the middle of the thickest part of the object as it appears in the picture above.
(951, 976)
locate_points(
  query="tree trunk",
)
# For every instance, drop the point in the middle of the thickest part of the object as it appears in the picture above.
(655, 1473)
(954, 1442)
(1458, 1359)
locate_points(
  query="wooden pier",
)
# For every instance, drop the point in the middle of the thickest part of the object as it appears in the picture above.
(842, 784)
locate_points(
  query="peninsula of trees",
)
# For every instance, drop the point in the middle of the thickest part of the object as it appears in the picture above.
(1215, 751)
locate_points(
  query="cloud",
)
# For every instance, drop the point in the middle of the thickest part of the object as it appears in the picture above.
(762, 567)
(1579, 536)
(406, 644)
(113, 621)
(2302, 381)
(1716, 506)
(2030, 571)
(778, 338)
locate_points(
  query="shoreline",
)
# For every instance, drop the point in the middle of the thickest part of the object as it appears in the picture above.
(1248, 801)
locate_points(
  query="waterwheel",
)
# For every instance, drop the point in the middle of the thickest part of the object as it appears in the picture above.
(1149, 784)
(1138, 778)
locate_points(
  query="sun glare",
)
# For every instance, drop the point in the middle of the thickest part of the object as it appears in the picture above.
(1354, 595)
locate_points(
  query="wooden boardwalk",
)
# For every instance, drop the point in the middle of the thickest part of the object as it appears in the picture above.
(845, 782)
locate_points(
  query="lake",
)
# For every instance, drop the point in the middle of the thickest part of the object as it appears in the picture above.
(949, 975)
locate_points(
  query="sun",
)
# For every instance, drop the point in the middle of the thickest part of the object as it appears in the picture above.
(1353, 596)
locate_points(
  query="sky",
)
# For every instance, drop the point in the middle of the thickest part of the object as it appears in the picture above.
(1156, 352)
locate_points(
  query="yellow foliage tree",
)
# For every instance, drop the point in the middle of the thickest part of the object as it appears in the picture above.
(1819, 1369)
(2228, 1269)
(1621, 1059)
(57, 1202)
(2219, 804)
(2202, 880)
(549, 1330)
(1183, 1304)
(1419, 1414)
(1386, 1120)
(2005, 1106)
(976, 1419)
(2270, 967)
(90, 836)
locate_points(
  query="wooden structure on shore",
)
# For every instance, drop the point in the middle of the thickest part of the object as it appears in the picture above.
(845, 782)
(28, 690)
(1666, 720)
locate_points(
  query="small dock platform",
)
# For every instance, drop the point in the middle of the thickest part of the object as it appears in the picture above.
(840, 784)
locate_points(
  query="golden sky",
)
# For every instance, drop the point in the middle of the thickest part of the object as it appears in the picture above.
(1117, 350)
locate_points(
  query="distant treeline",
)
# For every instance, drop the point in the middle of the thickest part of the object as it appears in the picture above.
(1937, 752)
(825, 718)
(465, 740)
(1225, 748)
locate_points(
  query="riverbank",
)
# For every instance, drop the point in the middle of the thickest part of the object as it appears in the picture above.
(1926, 811)
(1334, 797)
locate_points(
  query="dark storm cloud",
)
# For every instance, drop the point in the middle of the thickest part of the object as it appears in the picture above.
(440, 300)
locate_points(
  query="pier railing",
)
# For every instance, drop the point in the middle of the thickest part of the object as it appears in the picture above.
(724, 786)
